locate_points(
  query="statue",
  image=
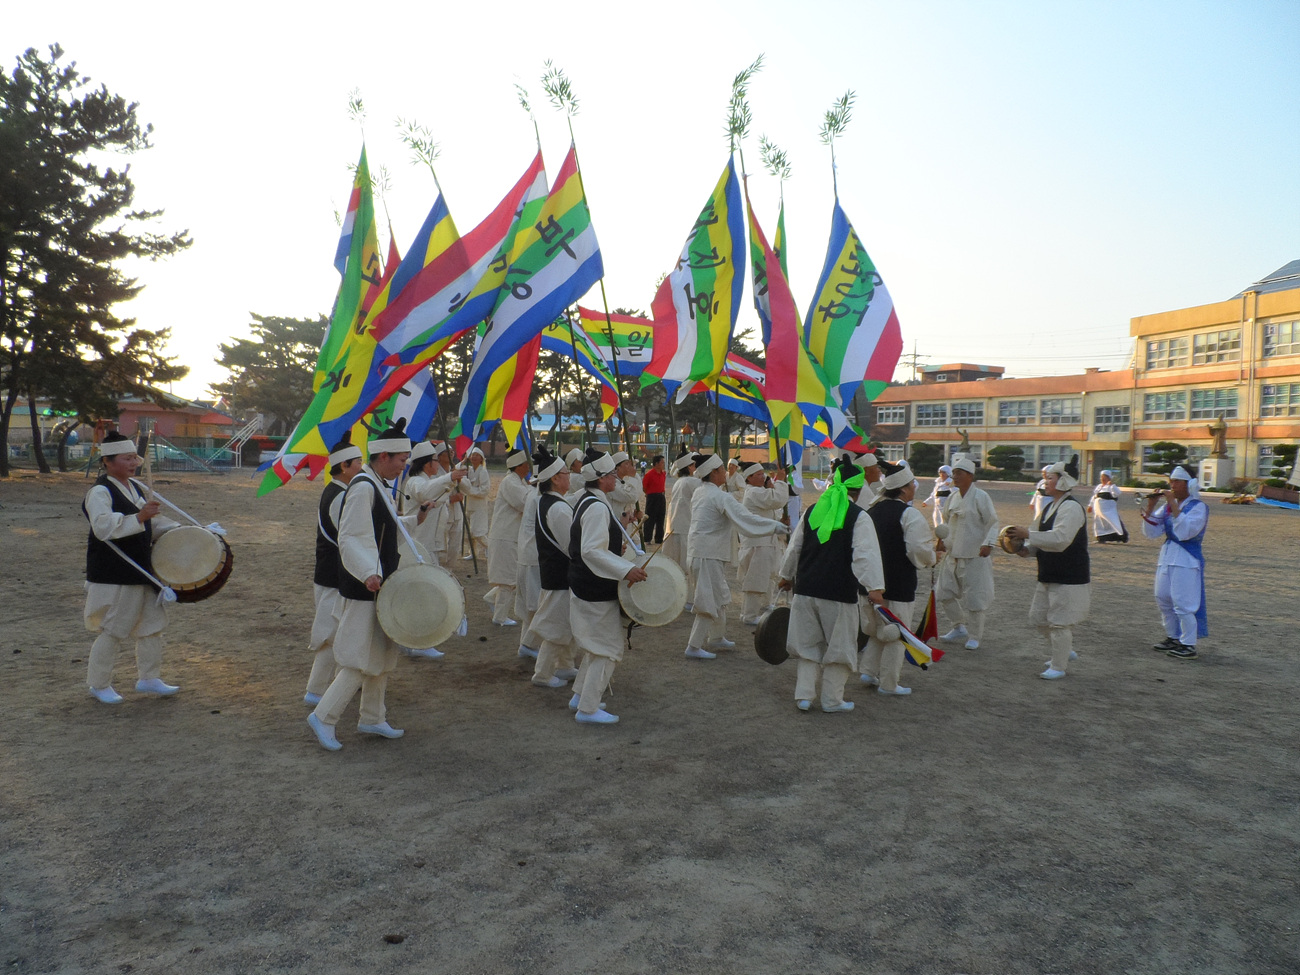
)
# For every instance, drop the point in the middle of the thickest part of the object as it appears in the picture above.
(1219, 431)
(964, 446)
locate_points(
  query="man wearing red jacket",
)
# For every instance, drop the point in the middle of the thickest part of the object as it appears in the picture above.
(656, 507)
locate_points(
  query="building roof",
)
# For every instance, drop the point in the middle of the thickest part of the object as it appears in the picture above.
(964, 367)
(1283, 279)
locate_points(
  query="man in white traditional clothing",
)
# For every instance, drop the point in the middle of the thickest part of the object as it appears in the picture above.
(943, 488)
(476, 488)
(1180, 517)
(736, 480)
(627, 495)
(715, 516)
(1107, 526)
(429, 488)
(964, 588)
(503, 537)
(368, 532)
(345, 464)
(679, 515)
(1058, 539)
(575, 459)
(760, 557)
(906, 544)
(121, 602)
(453, 522)
(528, 574)
(552, 525)
(869, 464)
(596, 565)
(1038, 500)
(832, 558)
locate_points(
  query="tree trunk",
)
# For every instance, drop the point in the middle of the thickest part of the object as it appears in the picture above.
(37, 448)
(5, 417)
(63, 446)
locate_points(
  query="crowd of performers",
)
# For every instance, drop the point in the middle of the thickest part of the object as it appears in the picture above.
(556, 542)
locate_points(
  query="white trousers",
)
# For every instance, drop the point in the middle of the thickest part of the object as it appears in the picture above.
(1178, 595)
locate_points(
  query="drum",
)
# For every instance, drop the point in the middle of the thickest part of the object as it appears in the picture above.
(1010, 545)
(770, 635)
(658, 599)
(407, 557)
(420, 605)
(194, 562)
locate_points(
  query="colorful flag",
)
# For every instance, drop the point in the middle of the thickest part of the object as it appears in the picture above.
(695, 307)
(844, 432)
(554, 261)
(928, 630)
(851, 327)
(575, 343)
(633, 339)
(915, 650)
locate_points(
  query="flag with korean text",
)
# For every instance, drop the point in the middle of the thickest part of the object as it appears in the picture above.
(851, 327)
(573, 342)
(696, 305)
(633, 339)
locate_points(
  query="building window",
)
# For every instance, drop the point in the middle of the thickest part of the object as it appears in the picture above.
(1224, 346)
(1061, 411)
(892, 452)
(891, 414)
(1282, 399)
(1048, 455)
(1016, 411)
(931, 415)
(1110, 419)
(1282, 339)
(1165, 406)
(968, 414)
(1209, 403)
(1167, 353)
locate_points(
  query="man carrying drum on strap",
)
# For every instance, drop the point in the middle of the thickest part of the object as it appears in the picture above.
(596, 565)
(552, 525)
(715, 516)
(345, 464)
(832, 557)
(368, 555)
(121, 602)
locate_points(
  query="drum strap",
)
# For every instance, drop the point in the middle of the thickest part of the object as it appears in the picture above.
(165, 592)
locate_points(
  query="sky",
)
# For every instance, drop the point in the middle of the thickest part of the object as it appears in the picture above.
(1026, 176)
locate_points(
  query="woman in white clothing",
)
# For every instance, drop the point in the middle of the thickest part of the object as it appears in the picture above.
(1104, 508)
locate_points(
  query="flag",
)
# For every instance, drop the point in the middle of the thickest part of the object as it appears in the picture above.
(506, 399)
(695, 307)
(844, 432)
(851, 327)
(915, 650)
(633, 339)
(778, 241)
(575, 343)
(793, 382)
(416, 403)
(928, 630)
(554, 261)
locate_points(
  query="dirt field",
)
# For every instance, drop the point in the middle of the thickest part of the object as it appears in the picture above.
(1139, 816)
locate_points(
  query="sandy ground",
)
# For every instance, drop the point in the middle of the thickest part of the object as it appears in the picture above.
(1139, 816)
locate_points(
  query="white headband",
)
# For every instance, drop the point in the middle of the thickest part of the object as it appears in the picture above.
(708, 466)
(394, 445)
(866, 460)
(517, 458)
(751, 470)
(115, 447)
(619, 457)
(345, 454)
(420, 451)
(598, 468)
(683, 462)
(550, 470)
(901, 478)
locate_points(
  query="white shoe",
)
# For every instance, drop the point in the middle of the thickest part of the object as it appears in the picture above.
(695, 653)
(898, 691)
(106, 695)
(870, 681)
(311, 699)
(154, 685)
(573, 703)
(955, 635)
(751, 620)
(972, 644)
(567, 673)
(722, 643)
(506, 622)
(324, 733)
(803, 705)
(526, 651)
(428, 653)
(550, 682)
(1073, 656)
(838, 708)
(600, 717)
(383, 730)
(1050, 674)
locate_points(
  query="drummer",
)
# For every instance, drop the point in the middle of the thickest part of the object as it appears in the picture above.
(368, 534)
(596, 564)
(551, 525)
(121, 603)
(429, 490)
(345, 464)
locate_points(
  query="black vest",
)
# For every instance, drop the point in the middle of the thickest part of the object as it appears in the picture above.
(385, 528)
(900, 573)
(1070, 567)
(825, 569)
(552, 559)
(105, 566)
(584, 583)
(327, 539)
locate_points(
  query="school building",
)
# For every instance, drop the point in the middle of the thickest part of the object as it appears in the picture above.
(1237, 359)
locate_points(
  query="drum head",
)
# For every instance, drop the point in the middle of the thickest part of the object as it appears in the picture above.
(1008, 544)
(770, 635)
(187, 556)
(419, 606)
(658, 599)
(405, 556)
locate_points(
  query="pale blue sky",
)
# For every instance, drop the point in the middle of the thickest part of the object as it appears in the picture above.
(1027, 176)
